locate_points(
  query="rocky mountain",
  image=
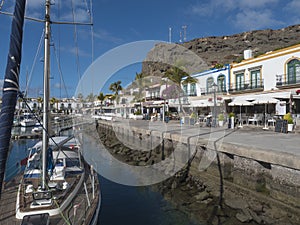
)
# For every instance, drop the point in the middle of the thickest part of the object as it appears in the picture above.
(209, 51)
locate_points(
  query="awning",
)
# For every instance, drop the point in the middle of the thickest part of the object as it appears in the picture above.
(203, 103)
(240, 102)
(265, 99)
(253, 97)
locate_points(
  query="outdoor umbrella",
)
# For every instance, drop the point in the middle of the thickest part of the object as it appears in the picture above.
(240, 102)
(261, 99)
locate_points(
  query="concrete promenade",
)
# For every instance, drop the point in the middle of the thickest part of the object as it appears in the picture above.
(250, 141)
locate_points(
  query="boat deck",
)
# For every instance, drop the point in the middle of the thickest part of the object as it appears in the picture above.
(78, 211)
(8, 202)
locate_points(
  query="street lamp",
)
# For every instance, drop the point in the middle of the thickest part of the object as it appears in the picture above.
(164, 97)
(215, 88)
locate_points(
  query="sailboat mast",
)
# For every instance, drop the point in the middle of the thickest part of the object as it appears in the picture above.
(46, 94)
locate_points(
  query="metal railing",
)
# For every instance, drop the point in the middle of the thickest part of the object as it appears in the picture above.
(284, 80)
(246, 86)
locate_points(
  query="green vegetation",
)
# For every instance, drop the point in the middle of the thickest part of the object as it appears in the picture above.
(231, 114)
(115, 88)
(193, 115)
(175, 74)
(221, 117)
(138, 112)
(219, 66)
(289, 118)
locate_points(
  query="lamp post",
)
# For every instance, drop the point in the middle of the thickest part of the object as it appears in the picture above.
(164, 97)
(215, 88)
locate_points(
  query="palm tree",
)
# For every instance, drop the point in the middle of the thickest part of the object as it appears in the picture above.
(40, 101)
(80, 97)
(90, 97)
(178, 75)
(115, 88)
(53, 100)
(101, 97)
(140, 82)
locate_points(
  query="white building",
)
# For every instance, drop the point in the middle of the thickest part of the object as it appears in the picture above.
(274, 74)
(206, 79)
(276, 70)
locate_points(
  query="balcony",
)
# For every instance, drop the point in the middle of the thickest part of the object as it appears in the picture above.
(246, 86)
(191, 93)
(283, 81)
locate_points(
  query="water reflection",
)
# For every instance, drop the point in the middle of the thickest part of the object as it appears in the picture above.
(137, 205)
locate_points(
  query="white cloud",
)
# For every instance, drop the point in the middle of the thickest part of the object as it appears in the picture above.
(57, 85)
(243, 14)
(219, 6)
(34, 4)
(80, 15)
(293, 6)
(106, 36)
(75, 51)
(246, 4)
(254, 19)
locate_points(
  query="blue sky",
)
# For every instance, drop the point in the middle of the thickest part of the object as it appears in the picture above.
(120, 22)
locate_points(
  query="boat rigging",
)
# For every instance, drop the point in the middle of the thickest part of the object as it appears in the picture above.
(49, 188)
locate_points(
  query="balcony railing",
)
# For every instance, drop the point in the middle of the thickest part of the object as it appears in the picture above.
(191, 93)
(283, 80)
(247, 85)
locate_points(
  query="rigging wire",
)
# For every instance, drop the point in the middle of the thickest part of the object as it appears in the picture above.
(90, 13)
(76, 42)
(1, 4)
(60, 71)
(58, 16)
(92, 37)
(34, 61)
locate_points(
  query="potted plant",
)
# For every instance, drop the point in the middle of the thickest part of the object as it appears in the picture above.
(221, 119)
(231, 120)
(288, 117)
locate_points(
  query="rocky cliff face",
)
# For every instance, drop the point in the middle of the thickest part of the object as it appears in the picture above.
(209, 51)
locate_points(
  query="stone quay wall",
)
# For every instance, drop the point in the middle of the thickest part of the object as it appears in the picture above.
(266, 183)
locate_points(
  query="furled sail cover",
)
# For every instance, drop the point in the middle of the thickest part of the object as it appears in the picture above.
(11, 84)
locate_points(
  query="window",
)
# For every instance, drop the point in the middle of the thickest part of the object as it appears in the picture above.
(293, 70)
(74, 162)
(221, 83)
(255, 79)
(193, 90)
(185, 89)
(239, 81)
(209, 84)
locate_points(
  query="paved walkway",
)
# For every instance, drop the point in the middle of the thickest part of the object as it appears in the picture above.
(249, 141)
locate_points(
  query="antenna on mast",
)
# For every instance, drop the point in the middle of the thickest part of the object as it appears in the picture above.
(180, 35)
(184, 32)
(170, 34)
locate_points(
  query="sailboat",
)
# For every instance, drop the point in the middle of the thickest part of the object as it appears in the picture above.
(58, 186)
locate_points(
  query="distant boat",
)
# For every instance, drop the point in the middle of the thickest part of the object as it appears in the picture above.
(57, 186)
(38, 129)
(28, 120)
(16, 121)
